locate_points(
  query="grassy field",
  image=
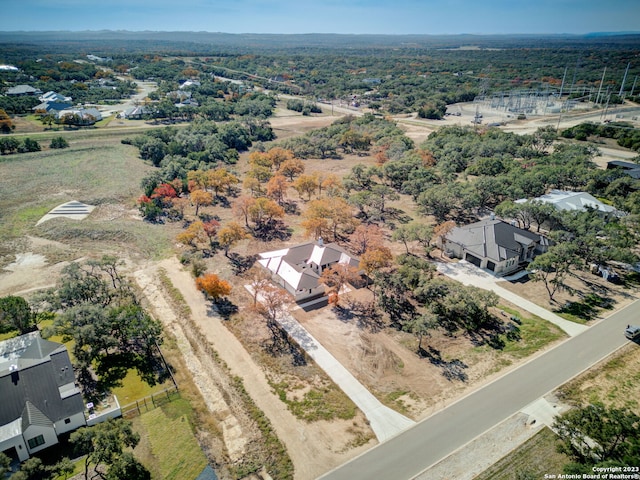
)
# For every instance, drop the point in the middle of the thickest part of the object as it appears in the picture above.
(170, 449)
(535, 333)
(533, 459)
(97, 169)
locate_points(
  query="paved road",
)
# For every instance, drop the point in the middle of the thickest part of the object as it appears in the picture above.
(415, 450)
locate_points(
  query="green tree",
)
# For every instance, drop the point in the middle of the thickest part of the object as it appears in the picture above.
(104, 445)
(598, 434)
(29, 145)
(16, 314)
(58, 142)
(112, 333)
(421, 326)
(5, 463)
(552, 267)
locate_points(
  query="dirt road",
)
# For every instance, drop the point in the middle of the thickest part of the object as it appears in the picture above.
(314, 448)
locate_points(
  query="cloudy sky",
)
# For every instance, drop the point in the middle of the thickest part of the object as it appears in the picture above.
(325, 16)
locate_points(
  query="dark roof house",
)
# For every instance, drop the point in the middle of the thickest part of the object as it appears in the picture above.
(22, 90)
(40, 399)
(494, 245)
(631, 169)
(52, 107)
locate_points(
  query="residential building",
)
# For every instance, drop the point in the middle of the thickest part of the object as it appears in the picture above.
(22, 90)
(52, 107)
(52, 96)
(84, 116)
(575, 201)
(631, 169)
(40, 399)
(297, 269)
(494, 245)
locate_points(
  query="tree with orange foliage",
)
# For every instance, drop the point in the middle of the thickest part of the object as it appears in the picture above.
(199, 198)
(306, 184)
(271, 301)
(260, 159)
(366, 237)
(331, 184)
(213, 286)
(263, 210)
(376, 258)
(242, 206)
(179, 205)
(292, 167)
(229, 235)
(253, 185)
(277, 188)
(324, 216)
(197, 180)
(316, 219)
(192, 235)
(338, 275)
(164, 193)
(220, 179)
(278, 155)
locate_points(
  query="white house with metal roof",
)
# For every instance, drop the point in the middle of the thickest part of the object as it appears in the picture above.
(297, 269)
(574, 201)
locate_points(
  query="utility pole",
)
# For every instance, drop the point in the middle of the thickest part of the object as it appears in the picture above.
(562, 86)
(624, 79)
(601, 83)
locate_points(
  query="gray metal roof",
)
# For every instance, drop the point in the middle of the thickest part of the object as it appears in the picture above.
(22, 90)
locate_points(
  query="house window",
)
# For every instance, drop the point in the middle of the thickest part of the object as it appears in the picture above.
(36, 441)
(67, 421)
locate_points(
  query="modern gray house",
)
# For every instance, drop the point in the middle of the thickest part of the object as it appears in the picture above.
(494, 245)
(39, 398)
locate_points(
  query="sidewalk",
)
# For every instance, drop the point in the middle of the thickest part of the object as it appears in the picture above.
(468, 274)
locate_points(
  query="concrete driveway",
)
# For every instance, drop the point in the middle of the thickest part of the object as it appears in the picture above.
(468, 274)
(384, 421)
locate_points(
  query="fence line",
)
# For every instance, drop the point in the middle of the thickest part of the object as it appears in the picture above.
(151, 402)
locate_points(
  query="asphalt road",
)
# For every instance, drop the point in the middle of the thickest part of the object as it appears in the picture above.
(418, 448)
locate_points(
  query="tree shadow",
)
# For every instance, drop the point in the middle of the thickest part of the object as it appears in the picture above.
(589, 307)
(272, 230)
(241, 263)
(365, 315)
(451, 370)
(280, 344)
(223, 307)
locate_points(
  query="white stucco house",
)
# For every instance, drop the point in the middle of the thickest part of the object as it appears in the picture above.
(297, 269)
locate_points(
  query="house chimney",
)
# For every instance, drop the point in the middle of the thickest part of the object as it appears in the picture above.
(320, 242)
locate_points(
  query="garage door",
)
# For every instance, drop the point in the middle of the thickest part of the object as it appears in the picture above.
(473, 259)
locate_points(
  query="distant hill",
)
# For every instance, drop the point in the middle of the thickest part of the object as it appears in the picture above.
(204, 41)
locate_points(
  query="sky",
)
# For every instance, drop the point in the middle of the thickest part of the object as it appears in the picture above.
(433, 17)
